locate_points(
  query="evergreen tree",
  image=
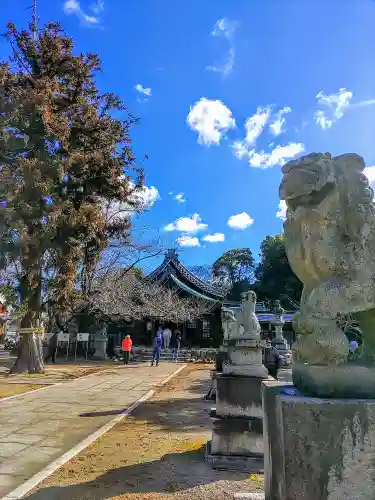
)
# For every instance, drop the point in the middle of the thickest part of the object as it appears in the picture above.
(62, 157)
(236, 269)
(275, 279)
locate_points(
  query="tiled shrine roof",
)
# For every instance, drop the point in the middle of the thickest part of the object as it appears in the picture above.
(172, 268)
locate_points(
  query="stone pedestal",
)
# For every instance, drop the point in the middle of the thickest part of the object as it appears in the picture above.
(317, 449)
(101, 347)
(237, 441)
(237, 435)
(245, 358)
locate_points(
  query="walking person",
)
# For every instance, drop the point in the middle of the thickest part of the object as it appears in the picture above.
(167, 334)
(176, 344)
(51, 349)
(126, 347)
(272, 359)
(158, 343)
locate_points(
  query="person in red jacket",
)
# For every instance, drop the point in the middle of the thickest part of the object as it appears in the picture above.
(126, 346)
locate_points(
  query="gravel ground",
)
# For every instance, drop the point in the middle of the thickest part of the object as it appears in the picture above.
(156, 454)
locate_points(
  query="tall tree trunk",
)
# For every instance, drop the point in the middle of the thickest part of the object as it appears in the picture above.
(30, 355)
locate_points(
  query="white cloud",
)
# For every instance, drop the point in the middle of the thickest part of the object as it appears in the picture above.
(241, 150)
(211, 119)
(187, 224)
(335, 105)
(146, 196)
(180, 198)
(223, 27)
(254, 126)
(226, 29)
(278, 156)
(144, 92)
(214, 238)
(142, 199)
(370, 174)
(74, 7)
(240, 221)
(281, 213)
(97, 7)
(278, 123)
(188, 241)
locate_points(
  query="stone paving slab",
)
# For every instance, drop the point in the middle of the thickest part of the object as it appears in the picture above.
(36, 429)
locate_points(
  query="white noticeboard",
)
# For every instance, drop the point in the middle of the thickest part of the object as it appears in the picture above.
(63, 337)
(83, 337)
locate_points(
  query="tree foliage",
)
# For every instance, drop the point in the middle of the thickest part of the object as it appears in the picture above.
(236, 268)
(274, 277)
(117, 294)
(63, 158)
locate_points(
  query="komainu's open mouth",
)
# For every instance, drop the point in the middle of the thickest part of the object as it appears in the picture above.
(311, 199)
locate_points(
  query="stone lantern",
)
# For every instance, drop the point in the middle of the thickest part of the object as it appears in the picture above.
(278, 322)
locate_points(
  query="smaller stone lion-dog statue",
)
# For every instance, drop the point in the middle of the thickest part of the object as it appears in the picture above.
(246, 315)
(330, 243)
(228, 320)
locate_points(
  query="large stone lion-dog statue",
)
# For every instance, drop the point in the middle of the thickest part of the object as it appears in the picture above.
(330, 243)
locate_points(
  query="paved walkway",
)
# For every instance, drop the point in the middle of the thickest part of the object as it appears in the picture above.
(37, 428)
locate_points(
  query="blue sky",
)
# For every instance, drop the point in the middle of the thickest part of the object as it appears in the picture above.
(204, 69)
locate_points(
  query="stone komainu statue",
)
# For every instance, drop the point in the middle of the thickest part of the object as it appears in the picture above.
(330, 243)
(228, 320)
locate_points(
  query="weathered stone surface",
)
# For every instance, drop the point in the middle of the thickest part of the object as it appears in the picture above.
(272, 451)
(244, 357)
(326, 448)
(343, 381)
(244, 463)
(237, 436)
(238, 396)
(330, 243)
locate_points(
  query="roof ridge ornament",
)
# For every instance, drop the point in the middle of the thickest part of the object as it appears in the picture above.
(171, 254)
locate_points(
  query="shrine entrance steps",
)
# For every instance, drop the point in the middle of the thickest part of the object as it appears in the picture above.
(145, 354)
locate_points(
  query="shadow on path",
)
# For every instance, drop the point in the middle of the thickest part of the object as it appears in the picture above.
(150, 477)
(103, 413)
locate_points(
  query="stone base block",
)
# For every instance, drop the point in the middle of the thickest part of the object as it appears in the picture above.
(237, 436)
(251, 464)
(258, 370)
(344, 381)
(239, 396)
(318, 449)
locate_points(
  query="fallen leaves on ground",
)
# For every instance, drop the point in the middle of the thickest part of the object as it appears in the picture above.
(7, 390)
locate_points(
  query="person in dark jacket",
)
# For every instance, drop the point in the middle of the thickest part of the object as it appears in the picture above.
(272, 359)
(158, 343)
(52, 347)
(176, 344)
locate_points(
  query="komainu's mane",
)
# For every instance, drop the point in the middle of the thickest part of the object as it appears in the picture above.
(356, 196)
